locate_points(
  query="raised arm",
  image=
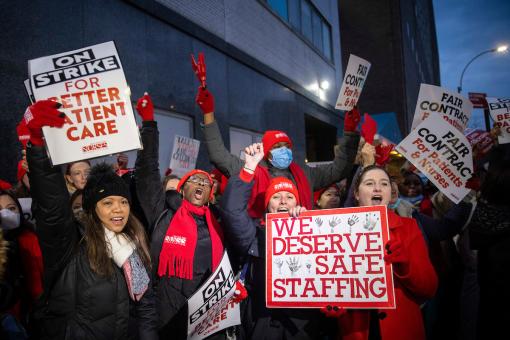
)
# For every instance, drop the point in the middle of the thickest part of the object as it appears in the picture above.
(148, 180)
(243, 233)
(56, 229)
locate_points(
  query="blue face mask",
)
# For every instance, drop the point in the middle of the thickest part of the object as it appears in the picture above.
(281, 157)
(394, 205)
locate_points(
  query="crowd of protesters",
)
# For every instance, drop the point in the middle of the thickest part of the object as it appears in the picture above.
(102, 258)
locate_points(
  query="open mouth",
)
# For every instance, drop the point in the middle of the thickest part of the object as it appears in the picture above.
(198, 194)
(117, 220)
(282, 209)
(376, 199)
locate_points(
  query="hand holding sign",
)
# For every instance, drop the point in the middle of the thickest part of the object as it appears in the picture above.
(369, 129)
(42, 113)
(199, 68)
(145, 108)
(396, 253)
(351, 120)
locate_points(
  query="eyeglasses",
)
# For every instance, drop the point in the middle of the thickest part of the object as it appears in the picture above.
(199, 181)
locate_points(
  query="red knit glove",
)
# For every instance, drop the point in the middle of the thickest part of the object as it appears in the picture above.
(199, 68)
(145, 107)
(333, 311)
(369, 129)
(42, 113)
(396, 253)
(351, 120)
(382, 154)
(473, 183)
(241, 293)
(205, 100)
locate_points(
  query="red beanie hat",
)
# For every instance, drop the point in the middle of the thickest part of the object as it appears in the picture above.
(5, 185)
(21, 171)
(191, 173)
(317, 194)
(278, 184)
(273, 137)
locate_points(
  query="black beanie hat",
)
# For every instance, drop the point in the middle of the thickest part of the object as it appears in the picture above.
(103, 182)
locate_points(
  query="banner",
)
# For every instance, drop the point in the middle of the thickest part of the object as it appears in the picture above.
(480, 140)
(442, 153)
(211, 308)
(330, 256)
(500, 113)
(451, 106)
(184, 155)
(354, 79)
(95, 98)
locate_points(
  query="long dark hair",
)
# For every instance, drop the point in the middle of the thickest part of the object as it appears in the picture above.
(97, 251)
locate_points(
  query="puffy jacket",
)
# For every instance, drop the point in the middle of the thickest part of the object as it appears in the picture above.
(77, 303)
(247, 237)
(159, 207)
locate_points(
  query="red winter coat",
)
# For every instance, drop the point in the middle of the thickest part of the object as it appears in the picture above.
(420, 283)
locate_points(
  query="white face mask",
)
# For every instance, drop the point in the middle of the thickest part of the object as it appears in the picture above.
(9, 219)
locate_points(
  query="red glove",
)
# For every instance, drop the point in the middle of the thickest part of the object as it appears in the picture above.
(23, 133)
(333, 311)
(199, 68)
(42, 113)
(205, 100)
(473, 183)
(382, 154)
(351, 120)
(145, 107)
(241, 293)
(396, 253)
(369, 129)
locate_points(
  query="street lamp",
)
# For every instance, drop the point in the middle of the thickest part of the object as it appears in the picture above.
(499, 49)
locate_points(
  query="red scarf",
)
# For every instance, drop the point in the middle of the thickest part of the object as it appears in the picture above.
(180, 241)
(262, 178)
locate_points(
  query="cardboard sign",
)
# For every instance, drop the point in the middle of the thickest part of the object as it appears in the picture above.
(26, 207)
(500, 113)
(95, 98)
(442, 153)
(184, 155)
(330, 256)
(211, 308)
(451, 106)
(354, 79)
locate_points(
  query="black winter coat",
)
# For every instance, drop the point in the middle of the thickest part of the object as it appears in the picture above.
(247, 238)
(77, 303)
(159, 207)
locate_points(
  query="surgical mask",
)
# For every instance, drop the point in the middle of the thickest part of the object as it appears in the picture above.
(9, 219)
(281, 157)
(77, 211)
(394, 205)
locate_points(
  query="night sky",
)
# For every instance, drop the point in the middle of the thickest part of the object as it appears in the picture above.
(464, 29)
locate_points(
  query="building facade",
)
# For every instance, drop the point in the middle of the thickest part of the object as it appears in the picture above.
(399, 38)
(268, 65)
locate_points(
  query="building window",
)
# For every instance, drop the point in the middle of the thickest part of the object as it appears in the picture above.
(240, 139)
(306, 19)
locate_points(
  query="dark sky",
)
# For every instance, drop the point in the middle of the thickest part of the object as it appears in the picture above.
(464, 29)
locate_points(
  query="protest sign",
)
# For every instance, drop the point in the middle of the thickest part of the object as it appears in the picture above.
(211, 308)
(91, 85)
(500, 113)
(184, 155)
(480, 141)
(451, 106)
(26, 207)
(354, 79)
(442, 153)
(328, 257)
